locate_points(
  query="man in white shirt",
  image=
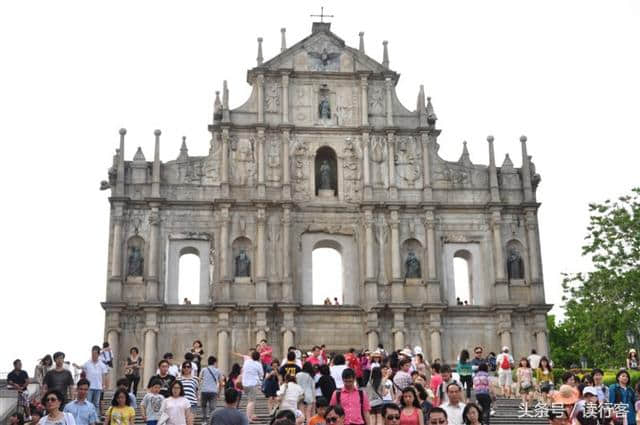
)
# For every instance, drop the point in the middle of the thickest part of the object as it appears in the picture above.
(95, 371)
(454, 407)
(252, 374)
(534, 359)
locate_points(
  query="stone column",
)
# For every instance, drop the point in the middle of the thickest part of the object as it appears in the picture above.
(365, 100)
(225, 273)
(398, 329)
(393, 190)
(372, 339)
(501, 284)
(224, 167)
(150, 354)
(154, 250)
(287, 287)
(224, 343)
(260, 97)
(366, 170)
(427, 193)
(504, 330)
(113, 338)
(433, 285)
(286, 179)
(288, 329)
(261, 324)
(261, 163)
(505, 338)
(261, 275)
(436, 344)
(526, 172)
(287, 341)
(532, 240)
(397, 290)
(371, 286)
(388, 85)
(542, 346)
(114, 292)
(285, 97)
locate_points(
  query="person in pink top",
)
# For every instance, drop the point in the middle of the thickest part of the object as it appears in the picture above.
(266, 353)
(354, 401)
(411, 413)
(315, 357)
(436, 378)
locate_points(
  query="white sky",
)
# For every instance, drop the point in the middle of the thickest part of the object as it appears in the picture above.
(565, 73)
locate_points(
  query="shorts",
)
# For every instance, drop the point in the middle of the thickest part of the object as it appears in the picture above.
(504, 377)
(251, 392)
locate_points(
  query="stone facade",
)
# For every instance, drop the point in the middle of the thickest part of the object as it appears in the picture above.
(323, 154)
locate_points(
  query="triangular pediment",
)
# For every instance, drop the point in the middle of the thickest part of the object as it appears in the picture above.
(323, 51)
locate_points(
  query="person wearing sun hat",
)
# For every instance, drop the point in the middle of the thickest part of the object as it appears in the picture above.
(567, 396)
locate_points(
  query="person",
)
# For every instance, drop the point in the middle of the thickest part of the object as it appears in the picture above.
(151, 404)
(120, 412)
(36, 415)
(174, 369)
(52, 400)
(454, 406)
(375, 392)
(16, 418)
(321, 408)
(391, 414)
(177, 407)
(315, 358)
(411, 413)
(472, 415)
(190, 384)
(477, 359)
(271, 384)
(441, 394)
(132, 370)
(484, 393)
(234, 380)
(602, 391)
(425, 397)
(290, 367)
(337, 368)
(402, 378)
(18, 380)
(567, 396)
(84, 411)
(59, 378)
(210, 377)
(622, 393)
(326, 383)
(353, 362)
(304, 378)
(436, 377)
(590, 397)
(524, 378)
(437, 416)
(464, 368)
(504, 363)
(266, 354)
(229, 414)
(164, 377)
(197, 352)
(95, 371)
(189, 357)
(335, 415)
(106, 357)
(45, 364)
(252, 375)
(387, 383)
(544, 378)
(632, 359)
(491, 359)
(290, 393)
(353, 400)
(123, 384)
(534, 359)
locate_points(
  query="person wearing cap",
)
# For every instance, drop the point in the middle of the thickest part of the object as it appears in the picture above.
(504, 363)
(590, 398)
(567, 396)
(632, 359)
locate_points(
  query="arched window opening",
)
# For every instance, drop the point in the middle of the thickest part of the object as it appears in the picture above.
(327, 276)
(189, 278)
(462, 278)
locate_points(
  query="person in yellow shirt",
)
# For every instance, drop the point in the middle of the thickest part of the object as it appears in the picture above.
(120, 412)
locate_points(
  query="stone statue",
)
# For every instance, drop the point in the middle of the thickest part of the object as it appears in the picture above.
(412, 266)
(325, 175)
(515, 266)
(324, 109)
(135, 265)
(243, 264)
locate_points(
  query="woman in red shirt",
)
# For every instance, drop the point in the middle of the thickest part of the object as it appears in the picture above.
(411, 413)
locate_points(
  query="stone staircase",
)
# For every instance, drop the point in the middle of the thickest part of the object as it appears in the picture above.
(507, 411)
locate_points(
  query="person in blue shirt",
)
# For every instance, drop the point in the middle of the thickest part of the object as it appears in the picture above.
(82, 410)
(621, 392)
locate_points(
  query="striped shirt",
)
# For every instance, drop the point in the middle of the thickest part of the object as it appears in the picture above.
(190, 389)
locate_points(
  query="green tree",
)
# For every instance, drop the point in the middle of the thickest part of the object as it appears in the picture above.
(603, 305)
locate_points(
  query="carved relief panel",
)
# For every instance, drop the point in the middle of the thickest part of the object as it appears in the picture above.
(243, 155)
(273, 160)
(408, 161)
(351, 175)
(378, 156)
(299, 154)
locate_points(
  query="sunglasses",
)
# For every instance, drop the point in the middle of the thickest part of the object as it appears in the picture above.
(186, 367)
(437, 421)
(393, 417)
(51, 399)
(332, 420)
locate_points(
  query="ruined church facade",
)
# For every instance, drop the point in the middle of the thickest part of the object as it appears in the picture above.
(323, 155)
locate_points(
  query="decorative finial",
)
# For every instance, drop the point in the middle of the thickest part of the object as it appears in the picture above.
(184, 152)
(260, 59)
(490, 138)
(139, 156)
(157, 133)
(361, 48)
(122, 131)
(523, 138)
(431, 115)
(283, 39)
(385, 54)
(464, 158)
(217, 107)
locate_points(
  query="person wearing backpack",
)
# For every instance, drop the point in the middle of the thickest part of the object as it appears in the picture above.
(504, 363)
(210, 378)
(352, 399)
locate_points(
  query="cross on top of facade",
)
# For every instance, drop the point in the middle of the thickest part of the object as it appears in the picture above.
(321, 15)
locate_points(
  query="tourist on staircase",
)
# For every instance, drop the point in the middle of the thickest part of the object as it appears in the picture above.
(96, 372)
(164, 377)
(321, 408)
(472, 415)
(229, 414)
(84, 412)
(442, 395)
(210, 377)
(524, 376)
(454, 406)
(151, 404)
(291, 394)
(18, 380)
(272, 384)
(375, 392)
(437, 416)
(106, 357)
(326, 383)
(45, 364)
(132, 370)
(190, 384)
(177, 407)
(621, 392)
(252, 375)
(484, 393)
(337, 368)
(464, 368)
(234, 380)
(304, 378)
(120, 412)
(59, 378)
(504, 363)
(52, 400)
(352, 399)
(123, 384)
(544, 378)
(411, 413)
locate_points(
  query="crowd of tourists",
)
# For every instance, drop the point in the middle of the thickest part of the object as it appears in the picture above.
(317, 387)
